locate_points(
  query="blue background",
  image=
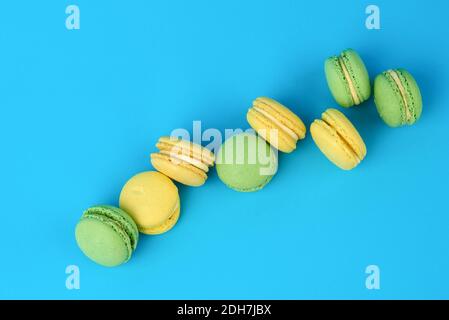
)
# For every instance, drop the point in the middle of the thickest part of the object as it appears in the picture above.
(82, 110)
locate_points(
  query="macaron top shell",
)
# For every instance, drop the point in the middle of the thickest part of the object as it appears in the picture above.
(151, 199)
(277, 124)
(107, 235)
(397, 98)
(348, 78)
(246, 163)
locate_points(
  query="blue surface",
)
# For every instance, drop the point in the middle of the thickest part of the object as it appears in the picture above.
(81, 110)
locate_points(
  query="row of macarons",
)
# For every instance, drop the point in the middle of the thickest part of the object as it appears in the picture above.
(149, 202)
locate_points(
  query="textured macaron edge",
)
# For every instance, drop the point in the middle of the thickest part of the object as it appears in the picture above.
(119, 217)
(332, 65)
(346, 130)
(339, 142)
(348, 56)
(397, 93)
(116, 227)
(381, 106)
(382, 101)
(414, 99)
(283, 114)
(263, 127)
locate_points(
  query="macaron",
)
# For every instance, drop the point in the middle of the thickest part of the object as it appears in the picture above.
(107, 235)
(347, 78)
(338, 139)
(183, 161)
(277, 124)
(246, 163)
(152, 200)
(397, 98)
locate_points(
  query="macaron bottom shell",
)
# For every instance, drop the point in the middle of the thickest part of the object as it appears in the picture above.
(179, 171)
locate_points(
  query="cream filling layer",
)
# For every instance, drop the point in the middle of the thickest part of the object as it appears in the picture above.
(352, 89)
(397, 80)
(283, 127)
(189, 160)
(187, 147)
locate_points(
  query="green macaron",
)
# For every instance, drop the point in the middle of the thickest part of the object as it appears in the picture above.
(347, 78)
(397, 98)
(246, 163)
(107, 235)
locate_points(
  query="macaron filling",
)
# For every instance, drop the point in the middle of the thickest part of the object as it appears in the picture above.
(278, 123)
(184, 158)
(195, 151)
(407, 112)
(349, 80)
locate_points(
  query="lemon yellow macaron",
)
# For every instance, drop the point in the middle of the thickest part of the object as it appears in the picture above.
(183, 161)
(338, 139)
(275, 123)
(152, 200)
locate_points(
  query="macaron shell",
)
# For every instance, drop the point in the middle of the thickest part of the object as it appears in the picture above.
(267, 129)
(337, 83)
(178, 170)
(333, 146)
(249, 169)
(150, 198)
(101, 243)
(388, 101)
(357, 69)
(346, 130)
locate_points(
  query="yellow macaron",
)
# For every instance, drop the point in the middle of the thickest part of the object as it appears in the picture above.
(277, 124)
(183, 161)
(338, 139)
(152, 200)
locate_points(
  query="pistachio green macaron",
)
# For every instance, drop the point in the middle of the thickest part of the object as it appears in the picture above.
(107, 235)
(347, 78)
(397, 98)
(246, 162)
